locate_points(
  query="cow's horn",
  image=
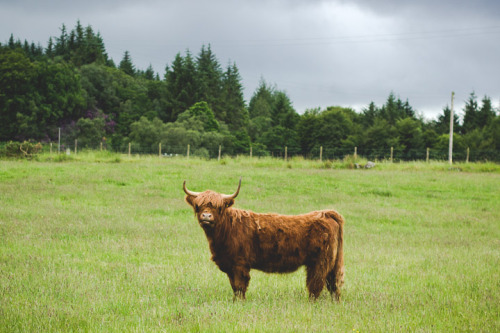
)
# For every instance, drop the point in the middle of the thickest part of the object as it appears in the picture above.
(188, 192)
(235, 194)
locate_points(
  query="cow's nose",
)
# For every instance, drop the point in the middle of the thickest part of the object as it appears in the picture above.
(206, 216)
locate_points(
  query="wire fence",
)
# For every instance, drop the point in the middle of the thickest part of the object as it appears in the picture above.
(318, 153)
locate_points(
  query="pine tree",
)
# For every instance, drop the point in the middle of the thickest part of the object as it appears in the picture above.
(99, 49)
(189, 84)
(486, 113)
(126, 64)
(471, 120)
(49, 51)
(181, 85)
(232, 100)
(408, 110)
(209, 75)
(442, 125)
(370, 114)
(79, 35)
(62, 42)
(12, 44)
(261, 102)
(149, 73)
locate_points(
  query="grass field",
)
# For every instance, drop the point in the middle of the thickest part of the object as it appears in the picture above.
(106, 243)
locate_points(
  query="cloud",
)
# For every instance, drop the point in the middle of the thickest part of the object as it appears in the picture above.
(321, 53)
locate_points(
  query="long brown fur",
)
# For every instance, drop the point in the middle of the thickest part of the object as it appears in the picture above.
(241, 240)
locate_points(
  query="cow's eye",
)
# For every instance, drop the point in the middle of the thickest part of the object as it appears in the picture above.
(197, 208)
(220, 210)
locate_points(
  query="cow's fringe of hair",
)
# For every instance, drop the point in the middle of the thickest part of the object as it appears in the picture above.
(212, 198)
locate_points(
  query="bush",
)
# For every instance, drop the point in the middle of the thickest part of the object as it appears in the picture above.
(24, 149)
(349, 162)
(202, 153)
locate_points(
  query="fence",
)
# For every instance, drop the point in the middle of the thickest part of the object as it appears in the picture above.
(318, 153)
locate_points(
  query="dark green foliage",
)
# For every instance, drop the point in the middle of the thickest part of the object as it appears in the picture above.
(181, 86)
(209, 76)
(333, 128)
(126, 64)
(442, 124)
(273, 120)
(409, 136)
(201, 112)
(232, 101)
(16, 77)
(91, 132)
(36, 96)
(307, 131)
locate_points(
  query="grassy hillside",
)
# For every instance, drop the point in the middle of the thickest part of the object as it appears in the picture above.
(106, 243)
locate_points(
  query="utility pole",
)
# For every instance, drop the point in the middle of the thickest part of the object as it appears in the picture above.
(450, 149)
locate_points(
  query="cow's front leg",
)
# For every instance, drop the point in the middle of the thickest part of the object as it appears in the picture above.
(239, 278)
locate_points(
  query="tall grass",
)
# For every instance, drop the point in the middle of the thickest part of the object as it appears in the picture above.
(104, 242)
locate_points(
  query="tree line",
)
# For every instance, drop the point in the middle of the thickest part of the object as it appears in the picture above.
(73, 84)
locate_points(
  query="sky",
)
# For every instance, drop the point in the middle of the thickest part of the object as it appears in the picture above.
(320, 52)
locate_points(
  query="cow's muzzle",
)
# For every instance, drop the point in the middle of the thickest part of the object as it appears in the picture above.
(207, 219)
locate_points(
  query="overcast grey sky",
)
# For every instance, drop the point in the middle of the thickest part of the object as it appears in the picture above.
(321, 53)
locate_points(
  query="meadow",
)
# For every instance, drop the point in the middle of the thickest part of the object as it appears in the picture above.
(104, 242)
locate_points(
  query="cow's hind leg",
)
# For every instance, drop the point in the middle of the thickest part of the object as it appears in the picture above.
(239, 279)
(316, 276)
(334, 281)
(335, 278)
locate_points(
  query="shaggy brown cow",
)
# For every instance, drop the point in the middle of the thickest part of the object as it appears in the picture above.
(241, 240)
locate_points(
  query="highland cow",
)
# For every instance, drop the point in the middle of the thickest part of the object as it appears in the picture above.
(241, 240)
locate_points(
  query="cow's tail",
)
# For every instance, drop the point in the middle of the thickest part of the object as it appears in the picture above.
(335, 278)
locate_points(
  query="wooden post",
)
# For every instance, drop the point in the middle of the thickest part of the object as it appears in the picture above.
(250, 151)
(427, 155)
(286, 153)
(101, 145)
(76, 144)
(321, 154)
(355, 153)
(467, 160)
(51, 148)
(159, 149)
(188, 152)
(450, 148)
(220, 148)
(59, 141)
(129, 149)
(392, 153)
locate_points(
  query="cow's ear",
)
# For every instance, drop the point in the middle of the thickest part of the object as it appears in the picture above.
(189, 199)
(228, 202)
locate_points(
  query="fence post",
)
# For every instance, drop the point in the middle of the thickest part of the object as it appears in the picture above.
(76, 144)
(392, 153)
(51, 148)
(159, 149)
(467, 160)
(450, 144)
(220, 147)
(188, 152)
(250, 151)
(355, 153)
(427, 155)
(321, 154)
(286, 153)
(129, 148)
(101, 145)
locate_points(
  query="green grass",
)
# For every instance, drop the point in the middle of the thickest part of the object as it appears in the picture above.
(103, 242)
